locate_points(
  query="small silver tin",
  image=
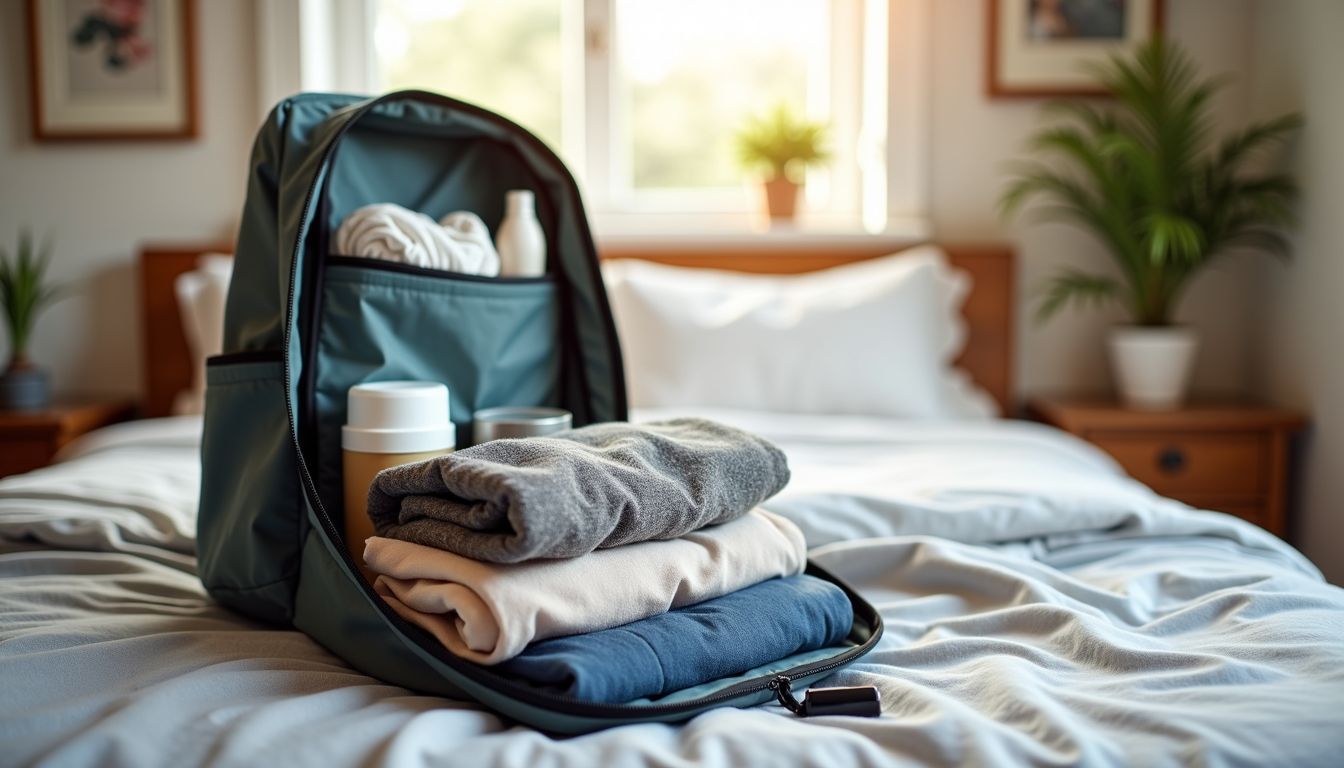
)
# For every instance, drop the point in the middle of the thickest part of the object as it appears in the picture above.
(499, 423)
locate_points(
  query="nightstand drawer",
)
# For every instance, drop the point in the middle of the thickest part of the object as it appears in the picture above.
(1224, 464)
(19, 455)
(29, 439)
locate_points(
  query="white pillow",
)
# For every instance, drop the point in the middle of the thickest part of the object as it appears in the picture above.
(873, 338)
(201, 295)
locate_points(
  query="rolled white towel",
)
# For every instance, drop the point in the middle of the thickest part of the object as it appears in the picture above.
(489, 612)
(460, 242)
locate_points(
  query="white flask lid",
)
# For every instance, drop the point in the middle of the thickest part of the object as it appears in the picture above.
(398, 417)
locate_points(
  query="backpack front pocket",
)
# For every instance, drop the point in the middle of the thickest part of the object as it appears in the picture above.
(493, 342)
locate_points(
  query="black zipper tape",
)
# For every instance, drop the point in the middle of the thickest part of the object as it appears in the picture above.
(247, 356)
(360, 262)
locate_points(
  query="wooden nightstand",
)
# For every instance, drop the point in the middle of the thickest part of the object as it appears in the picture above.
(1228, 457)
(29, 439)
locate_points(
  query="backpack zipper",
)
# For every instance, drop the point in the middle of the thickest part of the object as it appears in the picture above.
(379, 265)
(859, 700)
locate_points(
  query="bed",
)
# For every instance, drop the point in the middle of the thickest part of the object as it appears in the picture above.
(1040, 608)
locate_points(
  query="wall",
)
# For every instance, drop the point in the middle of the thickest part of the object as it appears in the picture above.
(1300, 357)
(102, 200)
(975, 138)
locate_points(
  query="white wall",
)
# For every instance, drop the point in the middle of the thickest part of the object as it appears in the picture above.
(975, 137)
(102, 200)
(1300, 351)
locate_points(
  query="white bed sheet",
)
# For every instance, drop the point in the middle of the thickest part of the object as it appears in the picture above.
(1040, 608)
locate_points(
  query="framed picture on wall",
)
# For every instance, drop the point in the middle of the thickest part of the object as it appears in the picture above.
(112, 69)
(1040, 47)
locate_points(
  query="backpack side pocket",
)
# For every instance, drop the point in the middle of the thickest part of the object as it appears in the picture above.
(251, 523)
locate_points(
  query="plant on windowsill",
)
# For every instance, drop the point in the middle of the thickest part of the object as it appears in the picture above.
(1148, 179)
(25, 291)
(781, 145)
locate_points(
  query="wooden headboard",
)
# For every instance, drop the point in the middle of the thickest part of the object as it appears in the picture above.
(166, 360)
(987, 358)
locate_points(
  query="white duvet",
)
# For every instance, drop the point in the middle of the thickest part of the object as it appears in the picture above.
(1039, 608)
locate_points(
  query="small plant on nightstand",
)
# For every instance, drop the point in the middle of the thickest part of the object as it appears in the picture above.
(782, 145)
(1166, 200)
(25, 291)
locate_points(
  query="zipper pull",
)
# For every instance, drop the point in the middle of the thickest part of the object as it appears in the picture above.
(780, 685)
(859, 701)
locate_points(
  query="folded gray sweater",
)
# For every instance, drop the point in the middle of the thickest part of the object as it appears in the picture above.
(508, 501)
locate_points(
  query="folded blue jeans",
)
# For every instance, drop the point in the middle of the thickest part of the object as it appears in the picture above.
(692, 645)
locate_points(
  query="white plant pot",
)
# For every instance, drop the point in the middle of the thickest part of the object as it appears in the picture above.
(1152, 365)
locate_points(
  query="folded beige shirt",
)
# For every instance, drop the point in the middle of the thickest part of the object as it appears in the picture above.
(489, 612)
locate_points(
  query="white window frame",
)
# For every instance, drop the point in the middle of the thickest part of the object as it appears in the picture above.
(880, 183)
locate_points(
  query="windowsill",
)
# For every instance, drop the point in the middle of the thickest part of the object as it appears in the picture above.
(681, 230)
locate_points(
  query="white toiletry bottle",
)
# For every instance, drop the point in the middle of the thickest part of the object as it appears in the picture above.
(520, 241)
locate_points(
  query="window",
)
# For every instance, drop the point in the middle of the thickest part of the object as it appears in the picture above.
(643, 99)
(505, 55)
(686, 74)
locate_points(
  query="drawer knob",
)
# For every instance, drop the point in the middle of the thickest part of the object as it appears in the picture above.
(1171, 460)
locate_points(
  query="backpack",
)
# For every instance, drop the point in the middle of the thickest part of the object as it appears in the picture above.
(303, 325)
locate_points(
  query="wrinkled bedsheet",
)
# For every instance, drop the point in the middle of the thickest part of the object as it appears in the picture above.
(1040, 608)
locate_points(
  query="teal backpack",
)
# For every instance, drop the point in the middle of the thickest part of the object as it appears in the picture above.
(303, 325)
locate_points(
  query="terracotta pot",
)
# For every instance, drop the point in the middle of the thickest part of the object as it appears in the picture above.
(1152, 365)
(781, 198)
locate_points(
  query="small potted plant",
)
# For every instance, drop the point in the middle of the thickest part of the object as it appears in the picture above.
(1166, 200)
(24, 292)
(781, 145)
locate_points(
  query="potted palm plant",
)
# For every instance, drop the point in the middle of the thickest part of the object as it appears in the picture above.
(25, 291)
(781, 145)
(1166, 199)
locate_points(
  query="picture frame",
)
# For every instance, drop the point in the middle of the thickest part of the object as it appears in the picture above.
(1038, 48)
(112, 69)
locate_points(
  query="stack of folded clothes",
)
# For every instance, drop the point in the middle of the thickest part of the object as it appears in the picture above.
(608, 563)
